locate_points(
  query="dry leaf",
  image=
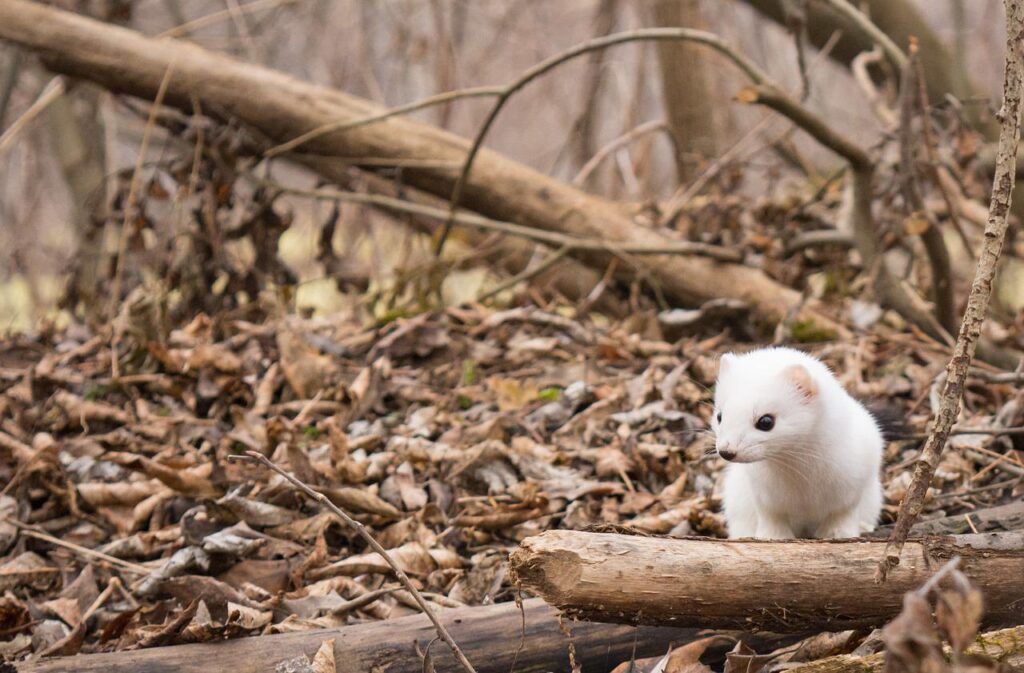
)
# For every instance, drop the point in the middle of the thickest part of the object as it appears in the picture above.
(27, 570)
(323, 660)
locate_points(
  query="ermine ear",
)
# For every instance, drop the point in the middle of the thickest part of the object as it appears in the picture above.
(801, 379)
(725, 363)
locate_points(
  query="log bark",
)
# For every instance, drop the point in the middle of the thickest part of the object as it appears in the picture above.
(489, 636)
(780, 586)
(1005, 646)
(282, 108)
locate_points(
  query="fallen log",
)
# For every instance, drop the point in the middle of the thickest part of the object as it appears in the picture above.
(780, 586)
(283, 108)
(492, 637)
(1005, 646)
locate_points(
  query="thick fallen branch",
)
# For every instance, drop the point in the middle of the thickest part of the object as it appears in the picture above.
(780, 586)
(491, 635)
(283, 108)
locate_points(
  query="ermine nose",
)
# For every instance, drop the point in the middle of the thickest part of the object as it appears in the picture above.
(727, 453)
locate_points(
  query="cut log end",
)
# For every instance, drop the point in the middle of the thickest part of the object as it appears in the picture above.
(549, 574)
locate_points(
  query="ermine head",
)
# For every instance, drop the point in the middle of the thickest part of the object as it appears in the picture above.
(767, 404)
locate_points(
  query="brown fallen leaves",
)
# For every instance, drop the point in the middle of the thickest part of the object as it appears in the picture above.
(914, 639)
(451, 435)
(684, 659)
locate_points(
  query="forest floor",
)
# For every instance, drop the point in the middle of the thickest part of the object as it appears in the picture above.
(452, 435)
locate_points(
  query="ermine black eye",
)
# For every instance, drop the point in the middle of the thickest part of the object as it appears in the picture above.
(765, 423)
(719, 416)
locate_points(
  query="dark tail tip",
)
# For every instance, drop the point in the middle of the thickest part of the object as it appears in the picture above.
(890, 418)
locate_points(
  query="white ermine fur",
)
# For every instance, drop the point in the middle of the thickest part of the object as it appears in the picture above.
(804, 455)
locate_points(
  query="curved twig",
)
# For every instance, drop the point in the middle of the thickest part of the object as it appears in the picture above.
(623, 140)
(713, 41)
(772, 97)
(862, 222)
(859, 68)
(861, 20)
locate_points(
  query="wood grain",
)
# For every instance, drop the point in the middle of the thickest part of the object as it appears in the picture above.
(781, 586)
(490, 637)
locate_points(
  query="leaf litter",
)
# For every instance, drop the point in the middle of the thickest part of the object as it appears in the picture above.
(452, 435)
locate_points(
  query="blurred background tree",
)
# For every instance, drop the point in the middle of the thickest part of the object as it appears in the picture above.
(654, 114)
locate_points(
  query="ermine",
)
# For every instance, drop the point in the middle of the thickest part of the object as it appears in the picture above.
(804, 456)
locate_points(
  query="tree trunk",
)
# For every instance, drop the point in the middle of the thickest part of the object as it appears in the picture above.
(781, 586)
(78, 143)
(282, 108)
(898, 19)
(686, 91)
(491, 637)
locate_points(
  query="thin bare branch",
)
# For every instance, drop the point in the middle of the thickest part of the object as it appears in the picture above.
(526, 274)
(931, 237)
(625, 139)
(893, 52)
(549, 237)
(345, 125)
(933, 157)
(642, 35)
(216, 17)
(981, 290)
(53, 90)
(772, 97)
(685, 193)
(78, 549)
